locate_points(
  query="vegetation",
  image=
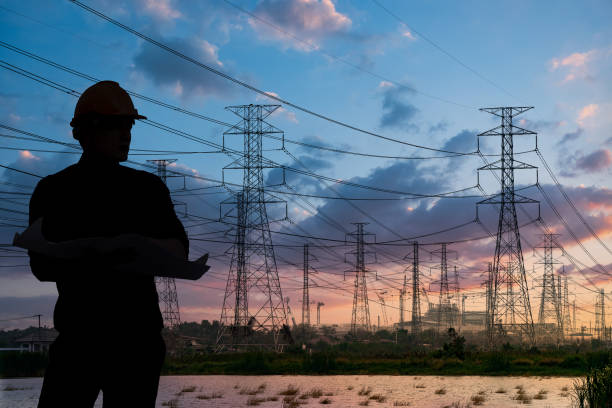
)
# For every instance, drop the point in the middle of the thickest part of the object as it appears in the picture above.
(448, 354)
(595, 390)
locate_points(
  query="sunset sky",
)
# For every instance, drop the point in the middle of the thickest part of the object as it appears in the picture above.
(413, 71)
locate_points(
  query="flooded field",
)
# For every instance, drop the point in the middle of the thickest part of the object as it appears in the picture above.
(338, 391)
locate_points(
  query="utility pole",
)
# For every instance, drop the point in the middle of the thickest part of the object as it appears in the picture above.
(416, 322)
(508, 250)
(550, 317)
(166, 287)
(253, 302)
(360, 319)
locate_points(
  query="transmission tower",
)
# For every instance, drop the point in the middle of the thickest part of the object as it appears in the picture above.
(166, 287)
(319, 304)
(305, 288)
(360, 319)
(550, 317)
(416, 322)
(402, 297)
(509, 308)
(254, 311)
(600, 316)
(447, 310)
(567, 318)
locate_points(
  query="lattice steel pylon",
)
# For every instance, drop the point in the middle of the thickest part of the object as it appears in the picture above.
(567, 318)
(510, 310)
(166, 287)
(402, 297)
(416, 324)
(305, 288)
(253, 312)
(360, 319)
(550, 316)
(447, 309)
(600, 316)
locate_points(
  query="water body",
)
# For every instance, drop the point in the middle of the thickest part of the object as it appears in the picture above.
(343, 391)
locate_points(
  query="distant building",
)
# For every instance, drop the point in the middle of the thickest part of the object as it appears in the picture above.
(38, 342)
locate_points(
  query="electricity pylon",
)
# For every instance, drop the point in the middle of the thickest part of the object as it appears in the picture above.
(416, 322)
(166, 287)
(567, 318)
(360, 319)
(510, 309)
(402, 299)
(253, 310)
(600, 316)
(550, 317)
(446, 316)
(305, 288)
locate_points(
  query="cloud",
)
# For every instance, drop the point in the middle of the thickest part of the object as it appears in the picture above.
(309, 20)
(464, 141)
(397, 113)
(289, 115)
(575, 65)
(161, 9)
(595, 161)
(587, 112)
(570, 136)
(184, 79)
(11, 306)
(405, 32)
(575, 60)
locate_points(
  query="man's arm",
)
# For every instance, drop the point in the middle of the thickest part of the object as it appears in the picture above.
(172, 245)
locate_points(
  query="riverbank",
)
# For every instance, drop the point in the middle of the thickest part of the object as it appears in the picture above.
(535, 363)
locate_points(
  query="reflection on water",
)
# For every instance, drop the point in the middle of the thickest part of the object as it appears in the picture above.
(334, 391)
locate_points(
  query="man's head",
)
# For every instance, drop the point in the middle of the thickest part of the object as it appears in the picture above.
(103, 120)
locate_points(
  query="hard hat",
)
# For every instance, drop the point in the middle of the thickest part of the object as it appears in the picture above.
(105, 98)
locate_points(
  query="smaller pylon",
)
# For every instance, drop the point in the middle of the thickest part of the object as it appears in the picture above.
(600, 316)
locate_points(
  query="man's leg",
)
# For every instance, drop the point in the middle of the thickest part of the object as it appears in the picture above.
(132, 375)
(71, 378)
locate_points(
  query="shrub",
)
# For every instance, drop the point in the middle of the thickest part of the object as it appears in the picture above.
(523, 362)
(594, 391)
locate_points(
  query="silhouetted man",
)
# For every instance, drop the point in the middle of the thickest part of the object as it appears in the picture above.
(107, 312)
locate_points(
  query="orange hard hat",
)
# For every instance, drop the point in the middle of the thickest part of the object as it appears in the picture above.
(105, 98)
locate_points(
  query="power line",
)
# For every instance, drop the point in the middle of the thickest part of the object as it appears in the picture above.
(336, 58)
(254, 89)
(442, 50)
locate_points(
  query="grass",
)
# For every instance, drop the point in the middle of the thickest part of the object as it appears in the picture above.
(350, 388)
(419, 386)
(440, 391)
(364, 403)
(401, 404)
(365, 391)
(522, 397)
(173, 403)
(500, 391)
(325, 401)
(478, 399)
(565, 388)
(214, 395)
(253, 401)
(290, 390)
(458, 404)
(190, 388)
(595, 390)
(378, 398)
(253, 391)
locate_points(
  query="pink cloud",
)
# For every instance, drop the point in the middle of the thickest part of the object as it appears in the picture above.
(161, 9)
(576, 65)
(587, 112)
(309, 20)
